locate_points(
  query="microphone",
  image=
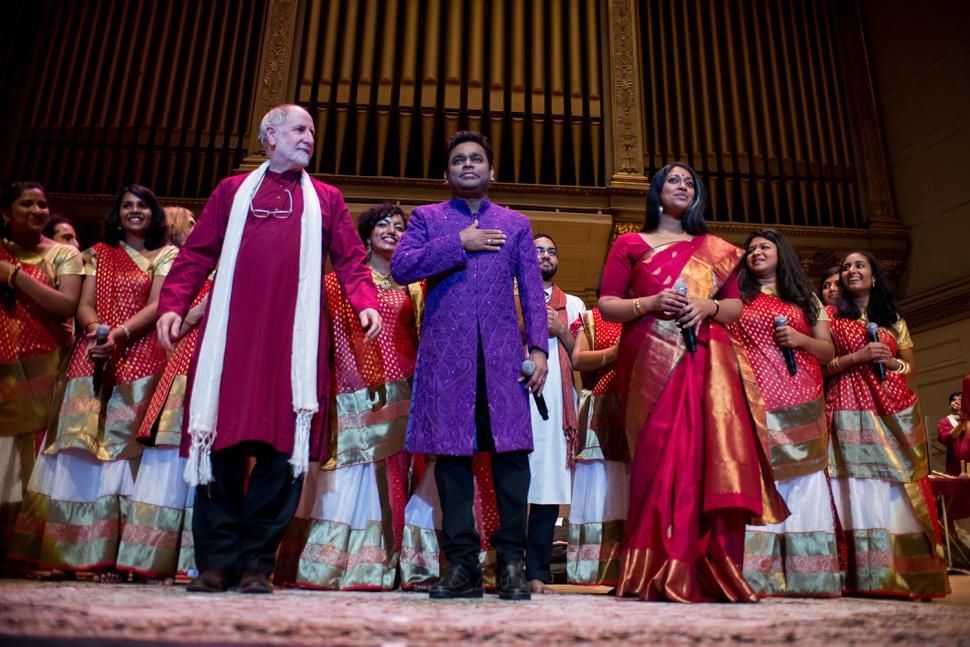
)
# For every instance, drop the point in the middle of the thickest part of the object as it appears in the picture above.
(100, 338)
(690, 335)
(872, 328)
(528, 370)
(781, 322)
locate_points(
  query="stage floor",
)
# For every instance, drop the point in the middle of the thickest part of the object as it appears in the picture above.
(87, 614)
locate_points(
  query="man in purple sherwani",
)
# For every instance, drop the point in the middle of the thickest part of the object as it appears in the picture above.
(259, 378)
(469, 391)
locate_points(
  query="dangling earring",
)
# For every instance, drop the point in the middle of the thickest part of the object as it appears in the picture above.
(369, 251)
(660, 210)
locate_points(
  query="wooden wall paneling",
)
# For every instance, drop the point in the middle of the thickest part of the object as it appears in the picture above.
(369, 41)
(577, 109)
(497, 83)
(518, 86)
(538, 55)
(557, 86)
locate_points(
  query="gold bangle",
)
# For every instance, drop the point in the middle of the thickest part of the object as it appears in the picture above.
(636, 307)
(13, 274)
(127, 332)
(834, 366)
(717, 308)
(903, 368)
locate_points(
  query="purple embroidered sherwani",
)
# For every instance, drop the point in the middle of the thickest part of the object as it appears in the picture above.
(470, 293)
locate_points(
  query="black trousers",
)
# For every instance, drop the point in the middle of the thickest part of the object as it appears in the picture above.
(456, 489)
(237, 531)
(542, 528)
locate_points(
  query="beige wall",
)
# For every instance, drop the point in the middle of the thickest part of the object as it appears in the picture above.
(943, 358)
(920, 56)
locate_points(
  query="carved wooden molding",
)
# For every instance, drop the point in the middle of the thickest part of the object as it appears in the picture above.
(275, 58)
(626, 95)
(944, 305)
(875, 166)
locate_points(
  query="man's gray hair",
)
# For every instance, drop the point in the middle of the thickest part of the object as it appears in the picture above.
(275, 118)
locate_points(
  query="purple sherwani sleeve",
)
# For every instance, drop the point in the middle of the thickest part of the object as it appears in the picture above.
(421, 253)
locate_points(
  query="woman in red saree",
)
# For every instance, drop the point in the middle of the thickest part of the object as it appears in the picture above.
(601, 481)
(697, 475)
(77, 498)
(878, 461)
(346, 533)
(40, 283)
(798, 556)
(156, 542)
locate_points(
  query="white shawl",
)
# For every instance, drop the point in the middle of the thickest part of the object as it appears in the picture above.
(204, 409)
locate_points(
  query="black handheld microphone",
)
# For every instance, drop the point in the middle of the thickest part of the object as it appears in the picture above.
(781, 322)
(690, 335)
(100, 338)
(873, 329)
(528, 370)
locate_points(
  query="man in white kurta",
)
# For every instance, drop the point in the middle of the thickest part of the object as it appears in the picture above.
(549, 463)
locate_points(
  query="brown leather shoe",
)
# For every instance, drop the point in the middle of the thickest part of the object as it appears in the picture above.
(211, 581)
(254, 582)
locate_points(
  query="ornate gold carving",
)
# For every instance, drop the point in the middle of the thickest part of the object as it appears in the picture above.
(277, 49)
(627, 146)
(274, 69)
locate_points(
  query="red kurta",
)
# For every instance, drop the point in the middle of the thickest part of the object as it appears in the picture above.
(255, 401)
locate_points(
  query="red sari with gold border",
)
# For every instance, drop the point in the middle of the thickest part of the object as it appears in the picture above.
(698, 473)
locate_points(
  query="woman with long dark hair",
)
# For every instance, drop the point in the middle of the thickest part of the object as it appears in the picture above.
(784, 334)
(74, 508)
(156, 542)
(878, 457)
(698, 474)
(40, 284)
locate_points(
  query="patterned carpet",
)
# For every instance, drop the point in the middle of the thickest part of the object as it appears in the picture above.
(83, 614)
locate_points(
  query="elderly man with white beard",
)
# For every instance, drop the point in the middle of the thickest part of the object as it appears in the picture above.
(259, 379)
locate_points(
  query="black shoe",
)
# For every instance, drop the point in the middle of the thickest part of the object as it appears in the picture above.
(254, 582)
(460, 581)
(510, 582)
(211, 581)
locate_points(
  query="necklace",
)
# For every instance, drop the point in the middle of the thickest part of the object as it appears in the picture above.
(382, 281)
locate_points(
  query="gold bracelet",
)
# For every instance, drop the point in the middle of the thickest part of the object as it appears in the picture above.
(636, 307)
(834, 366)
(127, 332)
(13, 274)
(717, 308)
(903, 368)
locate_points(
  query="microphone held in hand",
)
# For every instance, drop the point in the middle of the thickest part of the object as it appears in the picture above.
(528, 370)
(100, 338)
(690, 335)
(781, 322)
(872, 328)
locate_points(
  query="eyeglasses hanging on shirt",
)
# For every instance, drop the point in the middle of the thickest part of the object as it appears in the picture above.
(276, 214)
